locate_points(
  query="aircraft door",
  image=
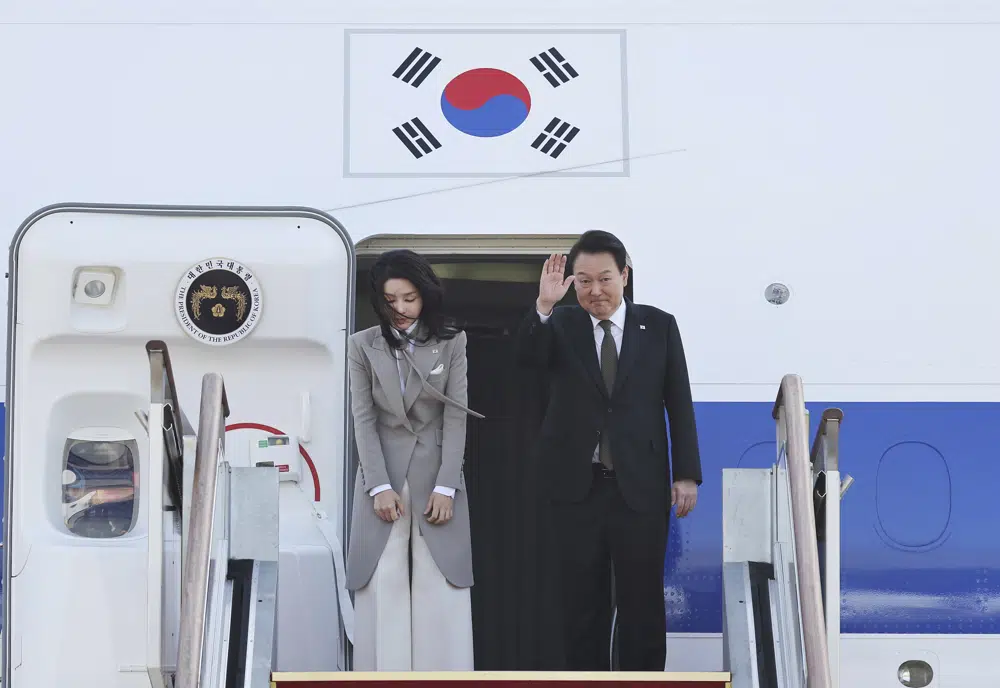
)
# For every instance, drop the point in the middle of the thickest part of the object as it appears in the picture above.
(262, 296)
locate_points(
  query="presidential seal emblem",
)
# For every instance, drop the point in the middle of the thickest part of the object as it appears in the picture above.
(218, 301)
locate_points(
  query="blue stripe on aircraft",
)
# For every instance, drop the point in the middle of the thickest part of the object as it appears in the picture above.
(920, 548)
(920, 525)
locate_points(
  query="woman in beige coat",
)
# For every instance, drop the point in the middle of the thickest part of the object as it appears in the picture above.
(408, 399)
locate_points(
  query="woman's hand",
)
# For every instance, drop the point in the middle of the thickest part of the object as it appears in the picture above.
(440, 508)
(388, 505)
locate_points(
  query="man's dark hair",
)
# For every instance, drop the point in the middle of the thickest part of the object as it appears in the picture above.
(405, 264)
(597, 241)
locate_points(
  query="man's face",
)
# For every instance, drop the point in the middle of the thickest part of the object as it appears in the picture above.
(599, 285)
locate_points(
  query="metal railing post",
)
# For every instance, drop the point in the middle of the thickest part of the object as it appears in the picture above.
(195, 581)
(791, 399)
(166, 426)
(826, 467)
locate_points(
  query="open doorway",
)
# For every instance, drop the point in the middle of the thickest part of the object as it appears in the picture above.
(515, 612)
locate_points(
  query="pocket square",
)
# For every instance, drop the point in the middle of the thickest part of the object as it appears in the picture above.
(438, 369)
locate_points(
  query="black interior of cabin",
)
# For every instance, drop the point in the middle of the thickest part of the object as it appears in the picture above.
(514, 601)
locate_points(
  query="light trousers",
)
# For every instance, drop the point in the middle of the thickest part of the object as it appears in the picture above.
(411, 621)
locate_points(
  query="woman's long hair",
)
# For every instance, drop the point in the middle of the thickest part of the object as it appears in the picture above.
(405, 264)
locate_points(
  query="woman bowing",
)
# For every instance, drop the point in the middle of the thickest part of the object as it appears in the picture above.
(409, 391)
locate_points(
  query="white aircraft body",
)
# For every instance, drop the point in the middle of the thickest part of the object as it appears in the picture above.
(808, 188)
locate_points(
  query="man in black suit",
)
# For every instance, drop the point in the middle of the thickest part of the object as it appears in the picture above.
(613, 367)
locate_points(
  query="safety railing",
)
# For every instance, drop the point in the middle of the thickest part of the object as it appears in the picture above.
(827, 493)
(163, 390)
(205, 511)
(166, 427)
(793, 436)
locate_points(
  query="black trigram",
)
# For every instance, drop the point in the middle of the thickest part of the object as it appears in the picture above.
(554, 67)
(417, 138)
(416, 67)
(555, 137)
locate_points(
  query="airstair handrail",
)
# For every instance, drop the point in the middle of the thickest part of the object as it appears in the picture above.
(162, 383)
(790, 409)
(827, 440)
(195, 580)
(165, 425)
(163, 390)
(827, 493)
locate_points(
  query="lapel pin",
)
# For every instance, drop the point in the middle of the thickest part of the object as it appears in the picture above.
(642, 327)
(434, 351)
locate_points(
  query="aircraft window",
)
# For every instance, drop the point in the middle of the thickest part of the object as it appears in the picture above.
(99, 482)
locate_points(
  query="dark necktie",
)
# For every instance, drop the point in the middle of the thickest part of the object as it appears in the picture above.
(609, 366)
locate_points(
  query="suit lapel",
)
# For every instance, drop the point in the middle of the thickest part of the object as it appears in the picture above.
(425, 356)
(586, 347)
(631, 343)
(387, 373)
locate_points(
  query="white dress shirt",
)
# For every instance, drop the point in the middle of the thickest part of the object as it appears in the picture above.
(617, 331)
(446, 491)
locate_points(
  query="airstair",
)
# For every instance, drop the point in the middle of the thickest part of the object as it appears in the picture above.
(213, 625)
(781, 556)
(780, 560)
